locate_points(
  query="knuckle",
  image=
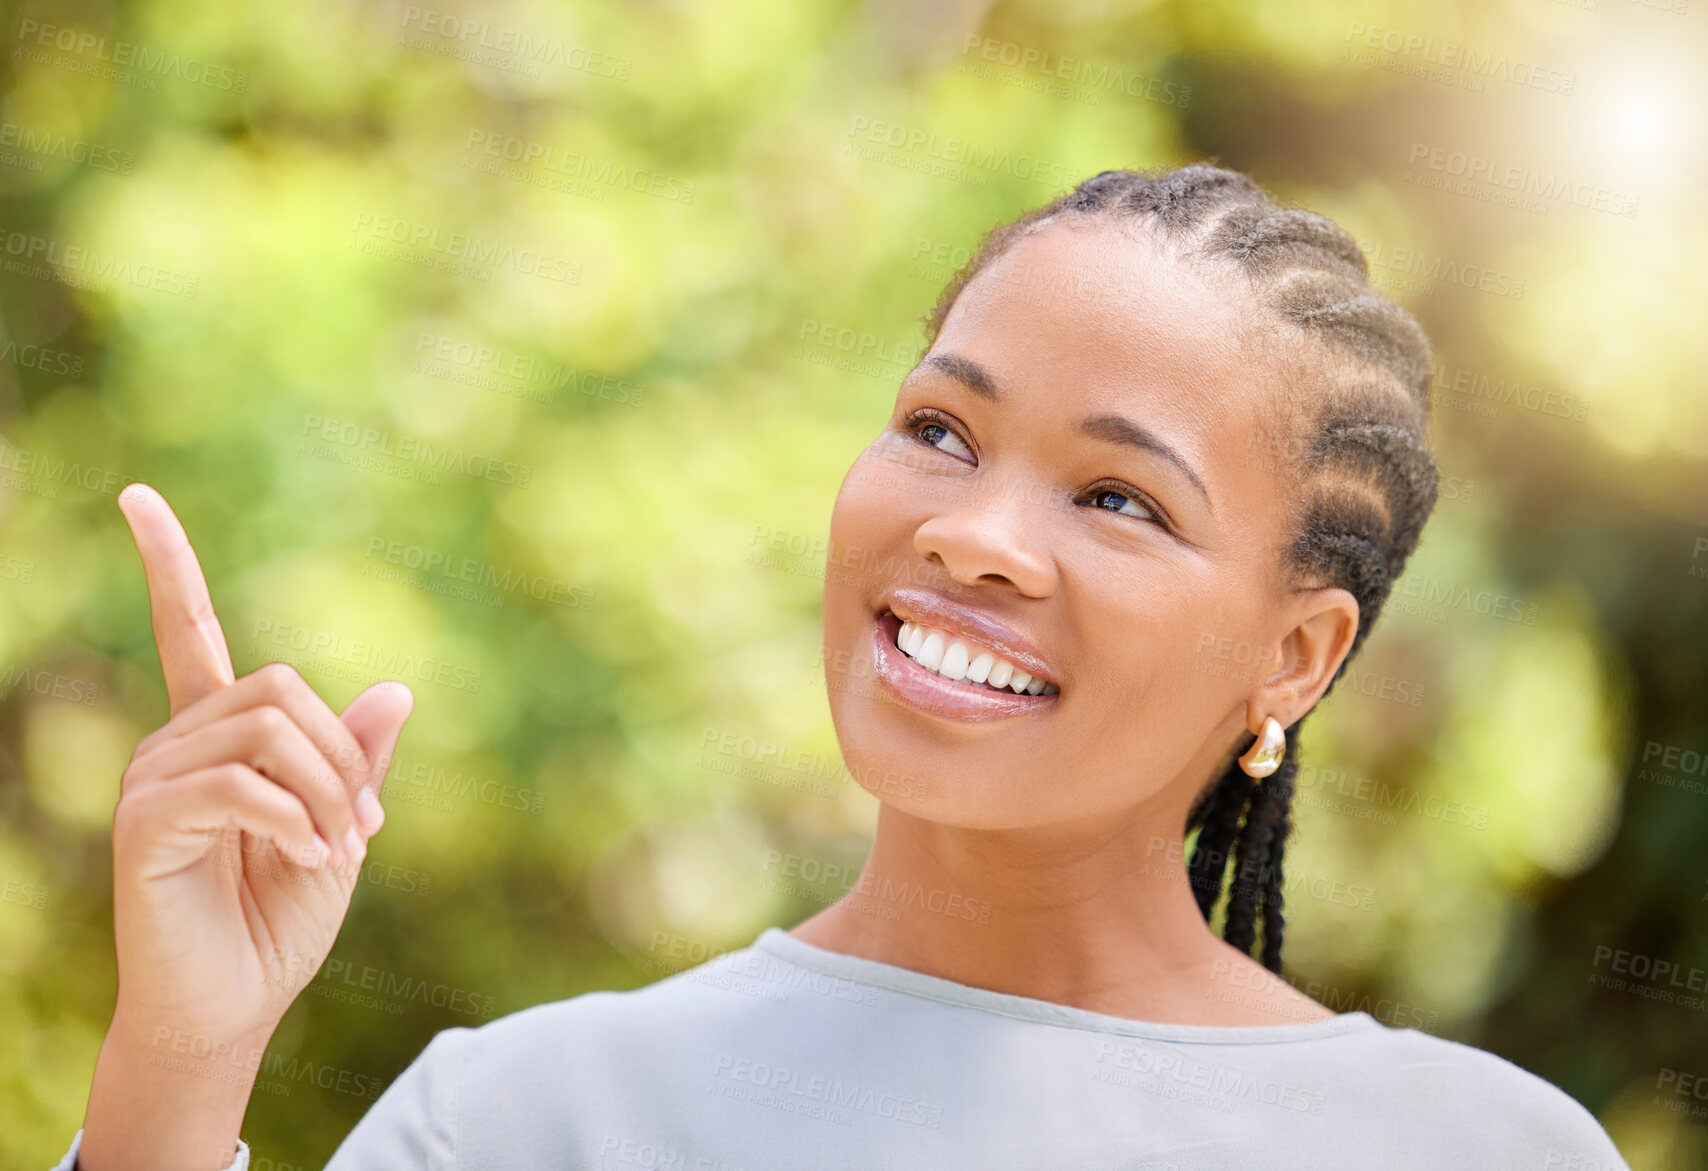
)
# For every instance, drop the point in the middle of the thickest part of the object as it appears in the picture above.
(346, 757)
(202, 611)
(228, 781)
(145, 746)
(126, 813)
(128, 827)
(271, 721)
(278, 680)
(300, 819)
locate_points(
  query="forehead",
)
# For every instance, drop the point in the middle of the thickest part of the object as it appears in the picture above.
(1102, 312)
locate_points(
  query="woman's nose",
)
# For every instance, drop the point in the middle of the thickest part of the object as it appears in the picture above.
(991, 538)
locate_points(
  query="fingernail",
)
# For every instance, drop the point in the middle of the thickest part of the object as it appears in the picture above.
(317, 853)
(369, 814)
(355, 849)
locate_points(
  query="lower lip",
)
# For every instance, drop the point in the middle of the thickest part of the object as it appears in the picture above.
(927, 691)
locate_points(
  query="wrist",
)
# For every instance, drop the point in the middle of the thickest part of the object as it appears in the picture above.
(174, 1043)
(167, 1097)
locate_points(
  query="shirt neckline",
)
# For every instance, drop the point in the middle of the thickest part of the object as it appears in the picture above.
(779, 943)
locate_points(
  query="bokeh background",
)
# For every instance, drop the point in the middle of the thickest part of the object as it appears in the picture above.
(518, 350)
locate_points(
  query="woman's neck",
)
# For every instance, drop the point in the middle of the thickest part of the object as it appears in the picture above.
(1100, 918)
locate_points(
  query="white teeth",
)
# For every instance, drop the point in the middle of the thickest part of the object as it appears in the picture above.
(953, 658)
(915, 640)
(954, 664)
(931, 650)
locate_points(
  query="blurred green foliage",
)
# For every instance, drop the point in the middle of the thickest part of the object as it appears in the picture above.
(518, 352)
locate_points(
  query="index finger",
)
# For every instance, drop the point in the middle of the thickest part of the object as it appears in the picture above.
(193, 654)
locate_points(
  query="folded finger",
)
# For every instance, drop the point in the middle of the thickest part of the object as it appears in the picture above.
(266, 739)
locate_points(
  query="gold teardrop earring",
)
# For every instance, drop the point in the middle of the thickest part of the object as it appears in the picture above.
(1264, 755)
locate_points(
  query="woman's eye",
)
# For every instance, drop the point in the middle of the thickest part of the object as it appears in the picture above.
(940, 437)
(1120, 502)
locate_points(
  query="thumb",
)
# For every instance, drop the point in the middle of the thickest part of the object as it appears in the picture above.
(376, 718)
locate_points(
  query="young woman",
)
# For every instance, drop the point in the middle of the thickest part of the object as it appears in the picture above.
(1163, 425)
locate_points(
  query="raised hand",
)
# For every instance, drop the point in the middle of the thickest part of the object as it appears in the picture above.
(238, 838)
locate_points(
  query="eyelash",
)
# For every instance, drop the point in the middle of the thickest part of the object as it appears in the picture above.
(915, 420)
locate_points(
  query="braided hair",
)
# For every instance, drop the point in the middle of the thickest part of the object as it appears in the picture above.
(1361, 478)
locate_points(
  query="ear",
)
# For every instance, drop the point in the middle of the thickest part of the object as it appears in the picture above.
(1318, 627)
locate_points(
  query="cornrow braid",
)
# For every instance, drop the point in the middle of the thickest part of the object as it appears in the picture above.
(1362, 478)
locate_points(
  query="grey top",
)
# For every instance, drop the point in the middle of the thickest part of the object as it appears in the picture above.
(784, 1055)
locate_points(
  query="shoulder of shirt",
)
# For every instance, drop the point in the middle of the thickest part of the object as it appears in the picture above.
(1495, 1090)
(728, 990)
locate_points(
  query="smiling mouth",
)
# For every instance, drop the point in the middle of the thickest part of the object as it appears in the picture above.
(961, 660)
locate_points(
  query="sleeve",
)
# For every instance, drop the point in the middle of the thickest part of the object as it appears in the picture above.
(413, 1124)
(69, 1163)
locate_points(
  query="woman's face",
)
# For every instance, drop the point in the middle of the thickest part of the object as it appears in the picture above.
(1076, 478)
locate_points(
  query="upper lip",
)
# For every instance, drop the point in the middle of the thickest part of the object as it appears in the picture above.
(929, 608)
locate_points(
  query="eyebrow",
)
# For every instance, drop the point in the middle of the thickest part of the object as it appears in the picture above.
(968, 373)
(1109, 428)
